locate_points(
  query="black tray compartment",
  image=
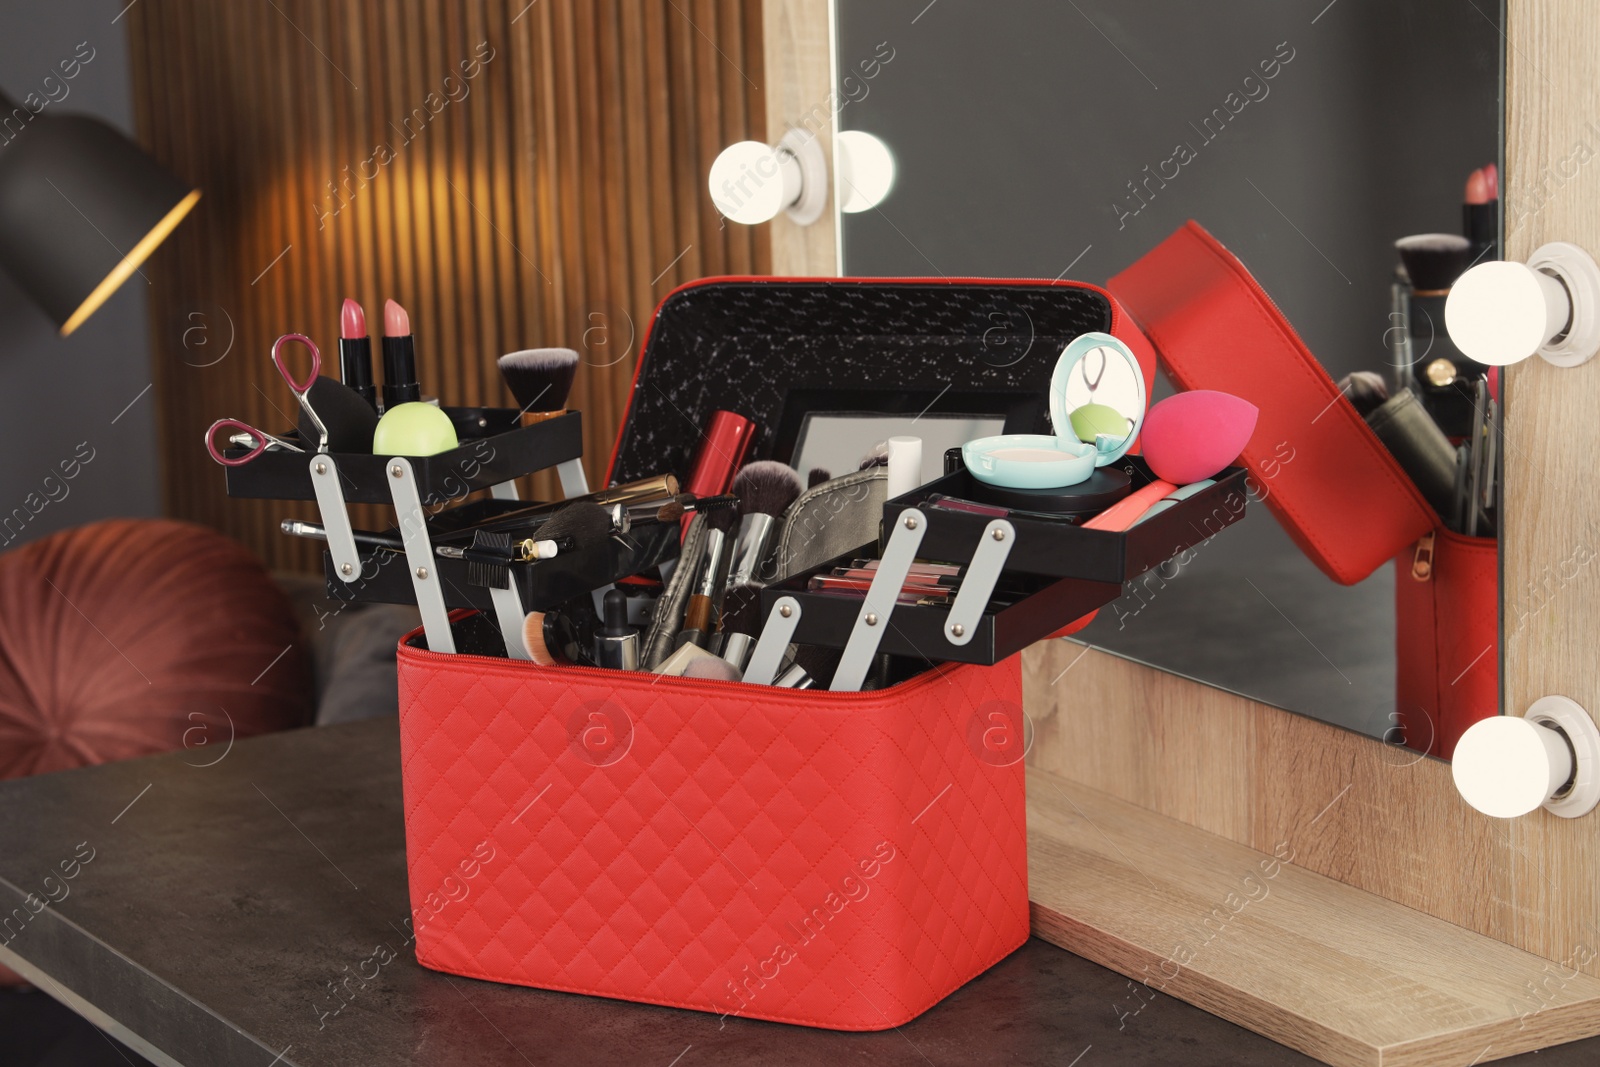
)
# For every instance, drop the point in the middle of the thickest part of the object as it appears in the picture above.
(1062, 550)
(386, 575)
(488, 455)
(1034, 608)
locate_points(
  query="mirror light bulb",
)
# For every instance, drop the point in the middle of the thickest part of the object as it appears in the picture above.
(1506, 765)
(866, 170)
(750, 182)
(1501, 313)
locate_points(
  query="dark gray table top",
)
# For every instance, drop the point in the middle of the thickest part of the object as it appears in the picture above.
(222, 900)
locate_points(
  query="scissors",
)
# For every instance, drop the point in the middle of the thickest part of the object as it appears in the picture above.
(300, 390)
(242, 433)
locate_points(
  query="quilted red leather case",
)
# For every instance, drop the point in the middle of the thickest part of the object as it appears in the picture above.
(1343, 498)
(843, 860)
(1447, 634)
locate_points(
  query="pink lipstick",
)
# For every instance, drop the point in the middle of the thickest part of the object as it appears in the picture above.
(399, 358)
(355, 352)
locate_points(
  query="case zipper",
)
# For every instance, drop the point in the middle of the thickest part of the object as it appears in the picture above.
(1422, 560)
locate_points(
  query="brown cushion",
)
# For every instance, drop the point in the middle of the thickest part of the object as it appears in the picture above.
(130, 637)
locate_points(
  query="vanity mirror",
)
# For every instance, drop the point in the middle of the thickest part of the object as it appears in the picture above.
(1035, 139)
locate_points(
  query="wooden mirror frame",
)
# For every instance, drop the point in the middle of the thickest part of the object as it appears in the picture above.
(1381, 820)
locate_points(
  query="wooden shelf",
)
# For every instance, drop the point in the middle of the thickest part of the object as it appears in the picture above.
(1337, 973)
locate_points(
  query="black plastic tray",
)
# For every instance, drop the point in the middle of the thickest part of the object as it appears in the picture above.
(386, 576)
(1037, 608)
(488, 455)
(1061, 550)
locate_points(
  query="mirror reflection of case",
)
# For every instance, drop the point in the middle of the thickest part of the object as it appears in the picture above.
(1097, 404)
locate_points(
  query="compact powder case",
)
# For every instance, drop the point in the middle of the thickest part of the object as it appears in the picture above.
(1097, 380)
(1099, 491)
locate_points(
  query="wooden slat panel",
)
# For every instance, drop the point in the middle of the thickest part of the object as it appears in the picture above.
(542, 207)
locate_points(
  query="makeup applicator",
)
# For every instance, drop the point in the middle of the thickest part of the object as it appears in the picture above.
(1186, 438)
(765, 490)
(700, 615)
(350, 420)
(540, 379)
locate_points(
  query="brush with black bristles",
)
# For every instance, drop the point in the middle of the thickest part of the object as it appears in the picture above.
(711, 578)
(576, 526)
(676, 508)
(1434, 261)
(540, 379)
(765, 490)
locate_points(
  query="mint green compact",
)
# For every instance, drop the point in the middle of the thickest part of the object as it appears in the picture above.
(1097, 403)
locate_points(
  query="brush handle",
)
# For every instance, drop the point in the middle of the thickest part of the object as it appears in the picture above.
(698, 615)
(1125, 512)
(750, 547)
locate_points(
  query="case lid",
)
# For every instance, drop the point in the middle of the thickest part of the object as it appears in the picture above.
(1321, 471)
(777, 349)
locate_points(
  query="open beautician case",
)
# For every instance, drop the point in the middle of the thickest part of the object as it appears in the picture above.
(839, 859)
(779, 351)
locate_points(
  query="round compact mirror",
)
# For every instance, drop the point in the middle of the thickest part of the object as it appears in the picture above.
(1097, 403)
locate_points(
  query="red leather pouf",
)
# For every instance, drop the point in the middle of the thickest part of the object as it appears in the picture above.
(130, 637)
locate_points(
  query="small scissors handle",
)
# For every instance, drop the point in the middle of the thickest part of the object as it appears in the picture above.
(234, 426)
(263, 441)
(300, 389)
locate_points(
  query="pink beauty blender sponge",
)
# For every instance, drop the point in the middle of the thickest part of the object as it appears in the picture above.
(1194, 435)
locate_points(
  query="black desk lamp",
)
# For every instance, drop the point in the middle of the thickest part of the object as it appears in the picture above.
(81, 206)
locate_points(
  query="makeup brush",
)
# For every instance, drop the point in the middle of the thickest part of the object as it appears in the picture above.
(399, 358)
(1366, 389)
(710, 579)
(741, 622)
(675, 509)
(562, 635)
(876, 456)
(582, 521)
(540, 379)
(658, 489)
(765, 490)
(816, 476)
(1434, 261)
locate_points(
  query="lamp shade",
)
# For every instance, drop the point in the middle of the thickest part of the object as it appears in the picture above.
(81, 206)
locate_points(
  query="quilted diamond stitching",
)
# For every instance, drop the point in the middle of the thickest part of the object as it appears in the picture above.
(677, 870)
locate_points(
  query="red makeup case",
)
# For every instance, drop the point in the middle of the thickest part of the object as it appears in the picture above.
(840, 860)
(1327, 478)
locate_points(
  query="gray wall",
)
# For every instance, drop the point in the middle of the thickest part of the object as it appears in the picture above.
(62, 397)
(1017, 125)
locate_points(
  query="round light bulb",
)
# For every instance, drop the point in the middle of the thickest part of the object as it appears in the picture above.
(1506, 766)
(866, 170)
(1502, 312)
(751, 182)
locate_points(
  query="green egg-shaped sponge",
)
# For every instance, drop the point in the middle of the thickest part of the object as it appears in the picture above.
(1092, 420)
(414, 429)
